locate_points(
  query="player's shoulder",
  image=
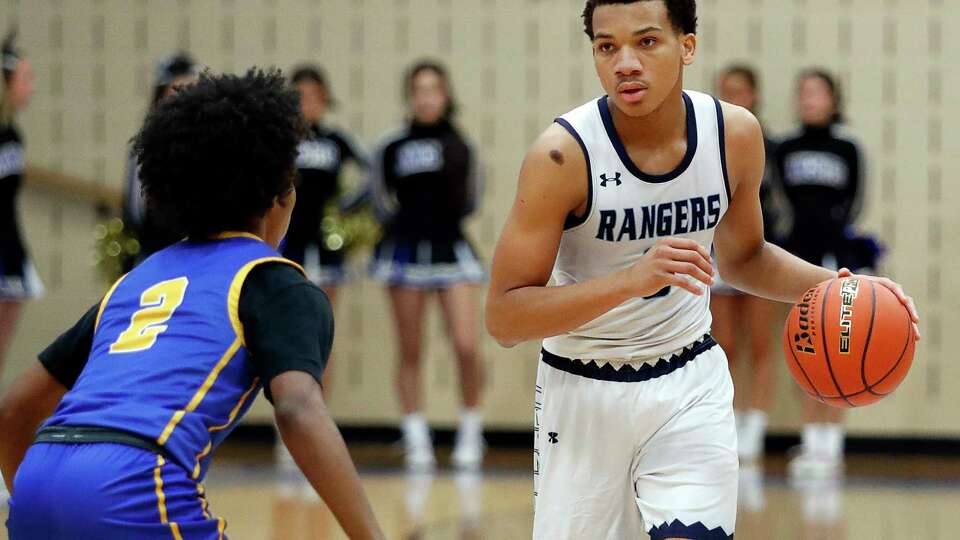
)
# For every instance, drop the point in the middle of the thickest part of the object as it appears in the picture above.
(275, 278)
(558, 147)
(740, 125)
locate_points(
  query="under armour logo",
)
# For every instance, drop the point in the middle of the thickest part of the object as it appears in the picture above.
(604, 179)
(553, 437)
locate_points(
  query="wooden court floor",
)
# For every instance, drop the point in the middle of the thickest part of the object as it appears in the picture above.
(879, 498)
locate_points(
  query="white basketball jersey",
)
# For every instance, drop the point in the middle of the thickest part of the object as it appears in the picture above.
(628, 211)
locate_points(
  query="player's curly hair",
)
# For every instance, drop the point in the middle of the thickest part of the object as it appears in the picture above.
(215, 155)
(682, 13)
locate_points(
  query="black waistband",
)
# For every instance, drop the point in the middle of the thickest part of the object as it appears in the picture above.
(89, 435)
(628, 373)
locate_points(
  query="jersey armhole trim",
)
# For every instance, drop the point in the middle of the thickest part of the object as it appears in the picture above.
(103, 303)
(236, 286)
(721, 136)
(574, 221)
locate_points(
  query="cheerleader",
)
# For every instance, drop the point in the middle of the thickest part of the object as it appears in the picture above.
(425, 183)
(740, 320)
(18, 279)
(320, 163)
(822, 170)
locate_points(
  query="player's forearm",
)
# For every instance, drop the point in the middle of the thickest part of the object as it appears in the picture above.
(772, 272)
(319, 451)
(537, 312)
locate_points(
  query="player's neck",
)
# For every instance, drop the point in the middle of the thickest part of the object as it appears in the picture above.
(660, 127)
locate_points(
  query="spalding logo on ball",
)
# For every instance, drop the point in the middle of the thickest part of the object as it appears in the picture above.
(849, 342)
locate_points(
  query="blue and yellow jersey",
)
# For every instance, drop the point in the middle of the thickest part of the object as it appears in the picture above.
(168, 361)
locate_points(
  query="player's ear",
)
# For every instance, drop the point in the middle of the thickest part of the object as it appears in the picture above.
(688, 44)
(286, 199)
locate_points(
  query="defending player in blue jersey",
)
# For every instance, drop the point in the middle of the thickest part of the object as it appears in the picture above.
(147, 384)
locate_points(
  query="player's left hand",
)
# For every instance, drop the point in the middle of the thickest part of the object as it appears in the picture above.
(897, 290)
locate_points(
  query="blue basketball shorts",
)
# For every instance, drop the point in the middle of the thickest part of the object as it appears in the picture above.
(104, 490)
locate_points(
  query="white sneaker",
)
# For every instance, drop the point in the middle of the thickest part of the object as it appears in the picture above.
(417, 444)
(468, 451)
(813, 466)
(419, 456)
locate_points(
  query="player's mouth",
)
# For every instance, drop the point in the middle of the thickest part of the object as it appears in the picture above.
(632, 92)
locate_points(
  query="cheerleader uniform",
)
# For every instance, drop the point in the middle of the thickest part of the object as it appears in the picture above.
(425, 181)
(320, 162)
(822, 174)
(18, 279)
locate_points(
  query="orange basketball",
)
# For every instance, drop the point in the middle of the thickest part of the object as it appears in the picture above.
(849, 342)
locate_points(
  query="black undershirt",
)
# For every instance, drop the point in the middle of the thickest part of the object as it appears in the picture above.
(287, 324)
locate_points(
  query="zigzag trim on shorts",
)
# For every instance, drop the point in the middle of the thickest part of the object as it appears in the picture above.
(695, 531)
(627, 372)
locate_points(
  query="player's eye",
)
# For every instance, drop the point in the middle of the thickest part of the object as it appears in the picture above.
(606, 47)
(648, 42)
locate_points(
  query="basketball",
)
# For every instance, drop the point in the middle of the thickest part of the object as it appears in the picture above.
(848, 342)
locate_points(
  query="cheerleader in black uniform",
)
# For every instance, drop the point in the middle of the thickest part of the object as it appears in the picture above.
(321, 160)
(742, 321)
(150, 229)
(821, 170)
(18, 279)
(425, 182)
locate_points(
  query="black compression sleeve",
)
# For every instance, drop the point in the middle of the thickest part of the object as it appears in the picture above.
(287, 323)
(66, 357)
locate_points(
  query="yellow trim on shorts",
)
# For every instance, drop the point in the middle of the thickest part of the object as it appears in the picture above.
(106, 298)
(233, 297)
(162, 499)
(203, 501)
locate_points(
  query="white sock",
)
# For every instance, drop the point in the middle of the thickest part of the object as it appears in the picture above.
(755, 427)
(833, 436)
(471, 423)
(415, 429)
(809, 439)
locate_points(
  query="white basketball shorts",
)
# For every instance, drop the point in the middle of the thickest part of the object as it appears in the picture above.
(620, 451)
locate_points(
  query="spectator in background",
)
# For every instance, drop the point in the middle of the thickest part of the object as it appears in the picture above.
(742, 321)
(151, 230)
(424, 182)
(821, 170)
(18, 279)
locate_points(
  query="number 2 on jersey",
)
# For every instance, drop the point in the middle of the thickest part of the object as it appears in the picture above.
(157, 306)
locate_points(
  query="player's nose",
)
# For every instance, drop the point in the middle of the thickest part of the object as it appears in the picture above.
(628, 62)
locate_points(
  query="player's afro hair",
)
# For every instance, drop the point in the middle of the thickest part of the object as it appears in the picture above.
(682, 13)
(215, 155)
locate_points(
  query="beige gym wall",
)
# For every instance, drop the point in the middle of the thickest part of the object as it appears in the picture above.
(515, 64)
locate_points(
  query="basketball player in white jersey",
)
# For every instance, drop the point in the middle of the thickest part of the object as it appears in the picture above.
(622, 199)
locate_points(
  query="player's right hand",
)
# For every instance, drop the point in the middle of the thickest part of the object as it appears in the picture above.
(670, 263)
